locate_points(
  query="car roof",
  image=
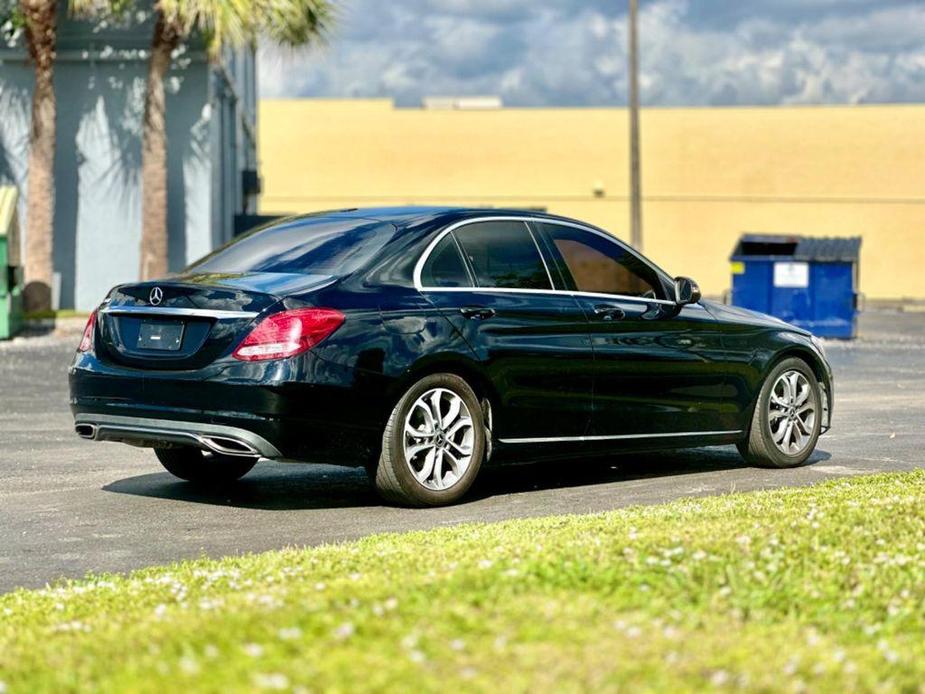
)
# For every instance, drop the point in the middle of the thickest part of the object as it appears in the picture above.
(403, 216)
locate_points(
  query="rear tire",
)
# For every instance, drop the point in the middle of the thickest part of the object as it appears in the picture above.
(193, 465)
(787, 418)
(428, 459)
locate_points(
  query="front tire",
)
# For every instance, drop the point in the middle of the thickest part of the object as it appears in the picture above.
(433, 443)
(193, 465)
(787, 418)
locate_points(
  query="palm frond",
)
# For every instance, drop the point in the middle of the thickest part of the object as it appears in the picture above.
(242, 22)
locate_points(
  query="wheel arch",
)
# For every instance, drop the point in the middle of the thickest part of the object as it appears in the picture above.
(791, 348)
(449, 362)
(800, 352)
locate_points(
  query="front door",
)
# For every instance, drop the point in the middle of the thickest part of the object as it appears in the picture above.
(490, 281)
(658, 368)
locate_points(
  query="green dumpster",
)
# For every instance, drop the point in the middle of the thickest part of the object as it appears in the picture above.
(11, 274)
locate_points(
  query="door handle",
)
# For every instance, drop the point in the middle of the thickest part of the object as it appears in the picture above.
(609, 312)
(477, 312)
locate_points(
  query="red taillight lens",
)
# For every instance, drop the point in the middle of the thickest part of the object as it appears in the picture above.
(86, 341)
(288, 333)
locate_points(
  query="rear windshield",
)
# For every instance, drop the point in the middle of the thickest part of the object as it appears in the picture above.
(311, 247)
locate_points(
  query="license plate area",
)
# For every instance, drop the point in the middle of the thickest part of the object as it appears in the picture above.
(159, 335)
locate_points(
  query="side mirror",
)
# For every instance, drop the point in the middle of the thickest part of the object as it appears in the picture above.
(686, 291)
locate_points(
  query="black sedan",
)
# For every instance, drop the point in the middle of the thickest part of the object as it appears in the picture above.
(422, 343)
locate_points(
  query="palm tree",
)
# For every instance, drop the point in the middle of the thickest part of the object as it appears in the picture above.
(39, 22)
(221, 23)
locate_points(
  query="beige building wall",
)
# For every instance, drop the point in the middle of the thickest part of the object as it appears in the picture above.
(708, 174)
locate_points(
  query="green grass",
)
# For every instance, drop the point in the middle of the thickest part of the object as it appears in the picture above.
(820, 588)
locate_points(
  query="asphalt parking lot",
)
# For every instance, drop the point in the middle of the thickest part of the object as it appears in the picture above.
(69, 506)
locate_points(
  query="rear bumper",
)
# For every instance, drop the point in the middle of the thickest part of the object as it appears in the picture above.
(156, 433)
(304, 410)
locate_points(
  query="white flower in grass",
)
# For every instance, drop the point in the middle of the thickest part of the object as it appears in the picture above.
(485, 564)
(344, 631)
(457, 644)
(160, 610)
(888, 653)
(320, 586)
(210, 651)
(391, 604)
(72, 626)
(2, 687)
(289, 633)
(254, 650)
(276, 681)
(417, 656)
(719, 678)
(189, 666)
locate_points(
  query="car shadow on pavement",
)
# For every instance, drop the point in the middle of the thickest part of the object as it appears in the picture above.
(622, 467)
(282, 487)
(269, 487)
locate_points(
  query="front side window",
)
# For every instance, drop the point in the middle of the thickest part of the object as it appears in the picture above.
(503, 254)
(601, 266)
(321, 246)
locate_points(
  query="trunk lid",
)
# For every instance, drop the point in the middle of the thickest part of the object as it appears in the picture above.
(189, 321)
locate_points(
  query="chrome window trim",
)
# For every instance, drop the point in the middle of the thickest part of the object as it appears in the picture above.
(615, 437)
(552, 285)
(176, 311)
(419, 266)
(425, 256)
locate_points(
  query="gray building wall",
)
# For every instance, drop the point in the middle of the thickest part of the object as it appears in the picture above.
(99, 81)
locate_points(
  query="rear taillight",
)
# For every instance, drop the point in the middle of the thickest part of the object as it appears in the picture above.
(288, 333)
(86, 342)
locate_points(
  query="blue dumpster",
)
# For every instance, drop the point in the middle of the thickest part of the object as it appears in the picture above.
(811, 282)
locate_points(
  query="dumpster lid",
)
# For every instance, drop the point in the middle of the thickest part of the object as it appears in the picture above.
(831, 249)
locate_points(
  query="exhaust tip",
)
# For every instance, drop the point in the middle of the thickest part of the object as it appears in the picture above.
(228, 446)
(86, 431)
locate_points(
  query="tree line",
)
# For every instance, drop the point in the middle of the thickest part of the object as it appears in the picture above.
(219, 23)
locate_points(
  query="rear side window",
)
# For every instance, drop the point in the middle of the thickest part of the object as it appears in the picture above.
(445, 267)
(320, 246)
(600, 266)
(503, 255)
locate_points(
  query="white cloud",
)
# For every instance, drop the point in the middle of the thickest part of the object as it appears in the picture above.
(572, 52)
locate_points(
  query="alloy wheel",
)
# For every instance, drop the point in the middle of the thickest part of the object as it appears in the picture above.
(792, 412)
(438, 439)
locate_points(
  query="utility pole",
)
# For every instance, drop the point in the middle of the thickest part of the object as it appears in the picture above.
(635, 186)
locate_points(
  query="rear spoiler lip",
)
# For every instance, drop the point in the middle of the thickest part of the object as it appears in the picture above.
(175, 311)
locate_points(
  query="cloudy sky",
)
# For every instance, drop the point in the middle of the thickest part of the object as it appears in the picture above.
(572, 52)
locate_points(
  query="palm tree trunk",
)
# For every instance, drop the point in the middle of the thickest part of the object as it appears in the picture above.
(154, 153)
(41, 36)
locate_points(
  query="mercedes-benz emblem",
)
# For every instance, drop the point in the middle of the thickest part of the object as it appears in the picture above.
(156, 296)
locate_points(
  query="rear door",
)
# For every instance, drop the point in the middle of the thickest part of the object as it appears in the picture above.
(491, 282)
(659, 370)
